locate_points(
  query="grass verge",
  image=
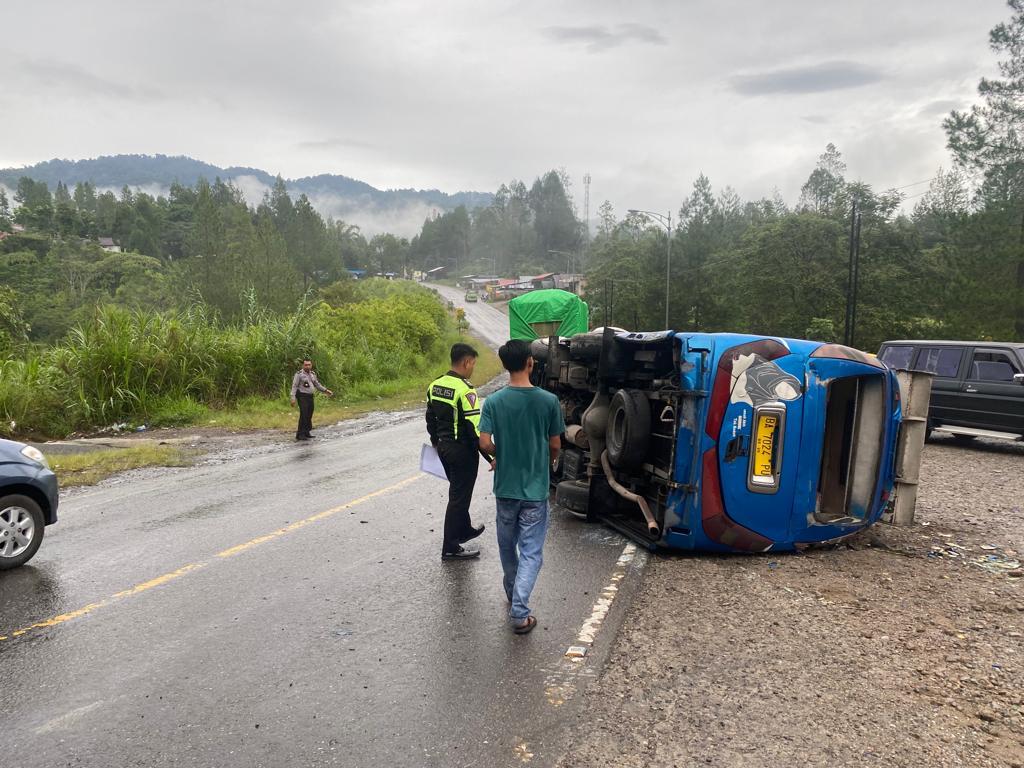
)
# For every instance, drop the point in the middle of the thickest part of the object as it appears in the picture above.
(91, 467)
(396, 395)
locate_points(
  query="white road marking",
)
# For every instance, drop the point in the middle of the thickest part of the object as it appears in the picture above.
(562, 681)
(603, 604)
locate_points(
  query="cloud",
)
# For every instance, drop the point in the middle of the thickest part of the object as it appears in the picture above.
(251, 187)
(153, 190)
(815, 78)
(942, 107)
(69, 77)
(815, 119)
(600, 37)
(404, 219)
(334, 143)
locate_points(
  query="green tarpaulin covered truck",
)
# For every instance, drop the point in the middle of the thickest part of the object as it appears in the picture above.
(550, 312)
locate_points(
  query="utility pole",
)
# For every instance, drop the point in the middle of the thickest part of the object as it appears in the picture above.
(586, 210)
(666, 221)
(849, 326)
(856, 282)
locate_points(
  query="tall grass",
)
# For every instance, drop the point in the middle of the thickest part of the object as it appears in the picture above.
(165, 368)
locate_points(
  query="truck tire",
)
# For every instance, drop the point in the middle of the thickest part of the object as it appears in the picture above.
(574, 497)
(629, 429)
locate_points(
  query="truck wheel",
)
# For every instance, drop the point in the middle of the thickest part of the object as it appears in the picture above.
(629, 428)
(574, 496)
(21, 530)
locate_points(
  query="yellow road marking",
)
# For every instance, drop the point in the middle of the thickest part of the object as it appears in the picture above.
(51, 622)
(186, 569)
(313, 518)
(157, 581)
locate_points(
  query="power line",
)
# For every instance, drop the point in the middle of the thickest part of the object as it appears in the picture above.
(913, 184)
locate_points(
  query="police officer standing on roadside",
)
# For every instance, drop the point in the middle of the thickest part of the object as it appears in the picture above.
(453, 417)
(304, 383)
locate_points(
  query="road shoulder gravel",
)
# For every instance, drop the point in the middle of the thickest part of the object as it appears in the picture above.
(901, 646)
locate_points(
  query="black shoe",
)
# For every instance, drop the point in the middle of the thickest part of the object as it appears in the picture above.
(310, 435)
(301, 437)
(461, 554)
(473, 533)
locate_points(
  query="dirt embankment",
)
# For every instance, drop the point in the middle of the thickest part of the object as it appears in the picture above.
(900, 647)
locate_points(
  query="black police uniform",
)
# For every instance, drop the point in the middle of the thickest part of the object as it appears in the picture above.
(453, 419)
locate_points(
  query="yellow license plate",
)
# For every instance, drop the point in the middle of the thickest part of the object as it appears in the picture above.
(764, 444)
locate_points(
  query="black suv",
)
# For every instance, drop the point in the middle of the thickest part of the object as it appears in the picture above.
(978, 387)
(28, 502)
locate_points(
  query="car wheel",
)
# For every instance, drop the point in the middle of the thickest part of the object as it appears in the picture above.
(21, 530)
(573, 496)
(629, 429)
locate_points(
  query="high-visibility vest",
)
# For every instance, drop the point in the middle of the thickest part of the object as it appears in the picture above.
(463, 404)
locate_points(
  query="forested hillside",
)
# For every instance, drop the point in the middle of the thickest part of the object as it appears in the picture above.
(200, 243)
(331, 194)
(946, 269)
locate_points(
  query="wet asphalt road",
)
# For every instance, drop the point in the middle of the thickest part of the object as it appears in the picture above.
(285, 605)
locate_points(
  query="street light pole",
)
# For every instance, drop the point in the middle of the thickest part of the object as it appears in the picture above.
(666, 221)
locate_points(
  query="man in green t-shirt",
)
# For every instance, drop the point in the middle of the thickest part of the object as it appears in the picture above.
(521, 426)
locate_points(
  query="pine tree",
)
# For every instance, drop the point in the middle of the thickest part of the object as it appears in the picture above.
(990, 138)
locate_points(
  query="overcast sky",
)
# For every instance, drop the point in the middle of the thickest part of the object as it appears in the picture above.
(467, 95)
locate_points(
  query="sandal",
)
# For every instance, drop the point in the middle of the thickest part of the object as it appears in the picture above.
(526, 627)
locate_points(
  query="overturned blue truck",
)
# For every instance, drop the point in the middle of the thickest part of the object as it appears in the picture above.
(721, 442)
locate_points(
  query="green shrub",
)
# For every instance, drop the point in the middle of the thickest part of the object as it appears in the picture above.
(169, 411)
(165, 368)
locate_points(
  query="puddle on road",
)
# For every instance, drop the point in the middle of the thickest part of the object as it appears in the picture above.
(33, 589)
(205, 512)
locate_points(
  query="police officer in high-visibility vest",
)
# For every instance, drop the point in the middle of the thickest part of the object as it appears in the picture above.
(453, 416)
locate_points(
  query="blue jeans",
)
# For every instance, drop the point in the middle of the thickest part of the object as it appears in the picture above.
(521, 526)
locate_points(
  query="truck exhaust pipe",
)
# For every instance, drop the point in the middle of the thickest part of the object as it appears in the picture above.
(652, 525)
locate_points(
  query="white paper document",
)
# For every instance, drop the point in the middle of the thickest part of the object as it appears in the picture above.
(430, 462)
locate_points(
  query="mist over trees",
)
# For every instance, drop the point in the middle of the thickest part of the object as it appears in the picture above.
(523, 231)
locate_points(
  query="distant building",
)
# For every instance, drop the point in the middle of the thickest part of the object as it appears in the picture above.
(357, 274)
(108, 244)
(481, 283)
(547, 280)
(574, 283)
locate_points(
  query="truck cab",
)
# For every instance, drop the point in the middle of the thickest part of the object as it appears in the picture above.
(722, 442)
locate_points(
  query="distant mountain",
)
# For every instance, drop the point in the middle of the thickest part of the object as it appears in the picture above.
(400, 211)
